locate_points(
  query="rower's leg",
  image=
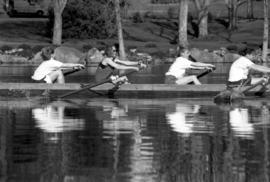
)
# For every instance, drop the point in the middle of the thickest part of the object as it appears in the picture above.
(256, 80)
(57, 76)
(188, 79)
(263, 85)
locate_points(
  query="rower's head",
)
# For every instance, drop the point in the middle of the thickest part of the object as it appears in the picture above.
(183, 52)
(47, 53)
(248, 53)
(111, 51)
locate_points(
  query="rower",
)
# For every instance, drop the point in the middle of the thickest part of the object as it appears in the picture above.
(240, 75)
(240, 71)
(110, 65)
(50, 70)
(177, 71)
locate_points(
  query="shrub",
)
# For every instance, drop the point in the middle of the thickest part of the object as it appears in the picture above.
(172, 12)
(24, 46)
(147, 14)
(27, 53)
(6, 48)
(151, 45)
(37, 48)
(87, 47)
(137, 18)
(159, 54)
(131, 47)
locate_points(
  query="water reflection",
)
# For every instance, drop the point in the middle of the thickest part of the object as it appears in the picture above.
(239, 121)
(53, 120)
(134, 140)
(182, 119)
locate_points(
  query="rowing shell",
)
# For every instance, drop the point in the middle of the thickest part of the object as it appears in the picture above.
(126, 90)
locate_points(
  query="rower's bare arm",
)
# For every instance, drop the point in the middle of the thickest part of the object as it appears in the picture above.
(72, 65)
(260, 68)
(126, 62)
(119, 66)
(199, 65)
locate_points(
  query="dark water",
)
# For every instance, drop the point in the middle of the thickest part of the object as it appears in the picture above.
(153, 74)
(134, 140)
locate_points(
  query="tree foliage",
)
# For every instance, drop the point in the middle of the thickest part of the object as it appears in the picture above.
(89, 19)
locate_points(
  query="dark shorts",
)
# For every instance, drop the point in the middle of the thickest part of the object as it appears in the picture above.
(239, 83)
(39, 81)
(169, 79)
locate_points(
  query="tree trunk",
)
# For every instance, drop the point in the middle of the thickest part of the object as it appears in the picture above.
(119, 30)
(182, 25)
(57, 29)
(202, 7)
(250, 14)
(58, 7)
(203, 26)
(265, 31)
(232, 10)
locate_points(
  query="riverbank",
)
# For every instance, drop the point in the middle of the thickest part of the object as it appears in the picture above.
(155, 37)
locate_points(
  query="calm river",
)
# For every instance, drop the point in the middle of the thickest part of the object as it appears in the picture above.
(134, 140)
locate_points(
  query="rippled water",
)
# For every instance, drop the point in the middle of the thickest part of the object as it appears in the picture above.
(134, 140)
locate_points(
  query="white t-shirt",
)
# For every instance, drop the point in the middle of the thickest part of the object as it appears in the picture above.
(178, 68)
(45, 68)
(239, 69)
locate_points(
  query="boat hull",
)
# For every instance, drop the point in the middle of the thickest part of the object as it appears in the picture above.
(126, 90)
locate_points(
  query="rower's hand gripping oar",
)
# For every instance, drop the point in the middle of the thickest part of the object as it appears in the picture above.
(89, 86)
(209, 70)
(264, 88)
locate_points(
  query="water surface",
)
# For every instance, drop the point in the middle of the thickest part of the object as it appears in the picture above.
(134, 140)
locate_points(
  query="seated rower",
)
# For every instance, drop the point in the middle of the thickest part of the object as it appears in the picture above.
(177, 71)
(239, 74)
(110, 65)
(50, 70)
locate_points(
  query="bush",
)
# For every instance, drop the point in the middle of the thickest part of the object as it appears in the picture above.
(137, 18)
(6, 48)
(159, 54)
(37, 48)
(27, 53)
(150, 45)
(87, 19)
(87, 47)
(24, 46)
(172, 12)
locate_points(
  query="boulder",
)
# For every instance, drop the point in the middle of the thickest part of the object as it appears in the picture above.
(68, 54)
(73, 55)
(205, 56)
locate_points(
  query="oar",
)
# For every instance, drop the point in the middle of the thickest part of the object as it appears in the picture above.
(230, 95)
(89, 86)
(68, 72)
(205, 72)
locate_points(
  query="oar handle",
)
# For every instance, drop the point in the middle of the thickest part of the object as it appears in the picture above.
(205, 72)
